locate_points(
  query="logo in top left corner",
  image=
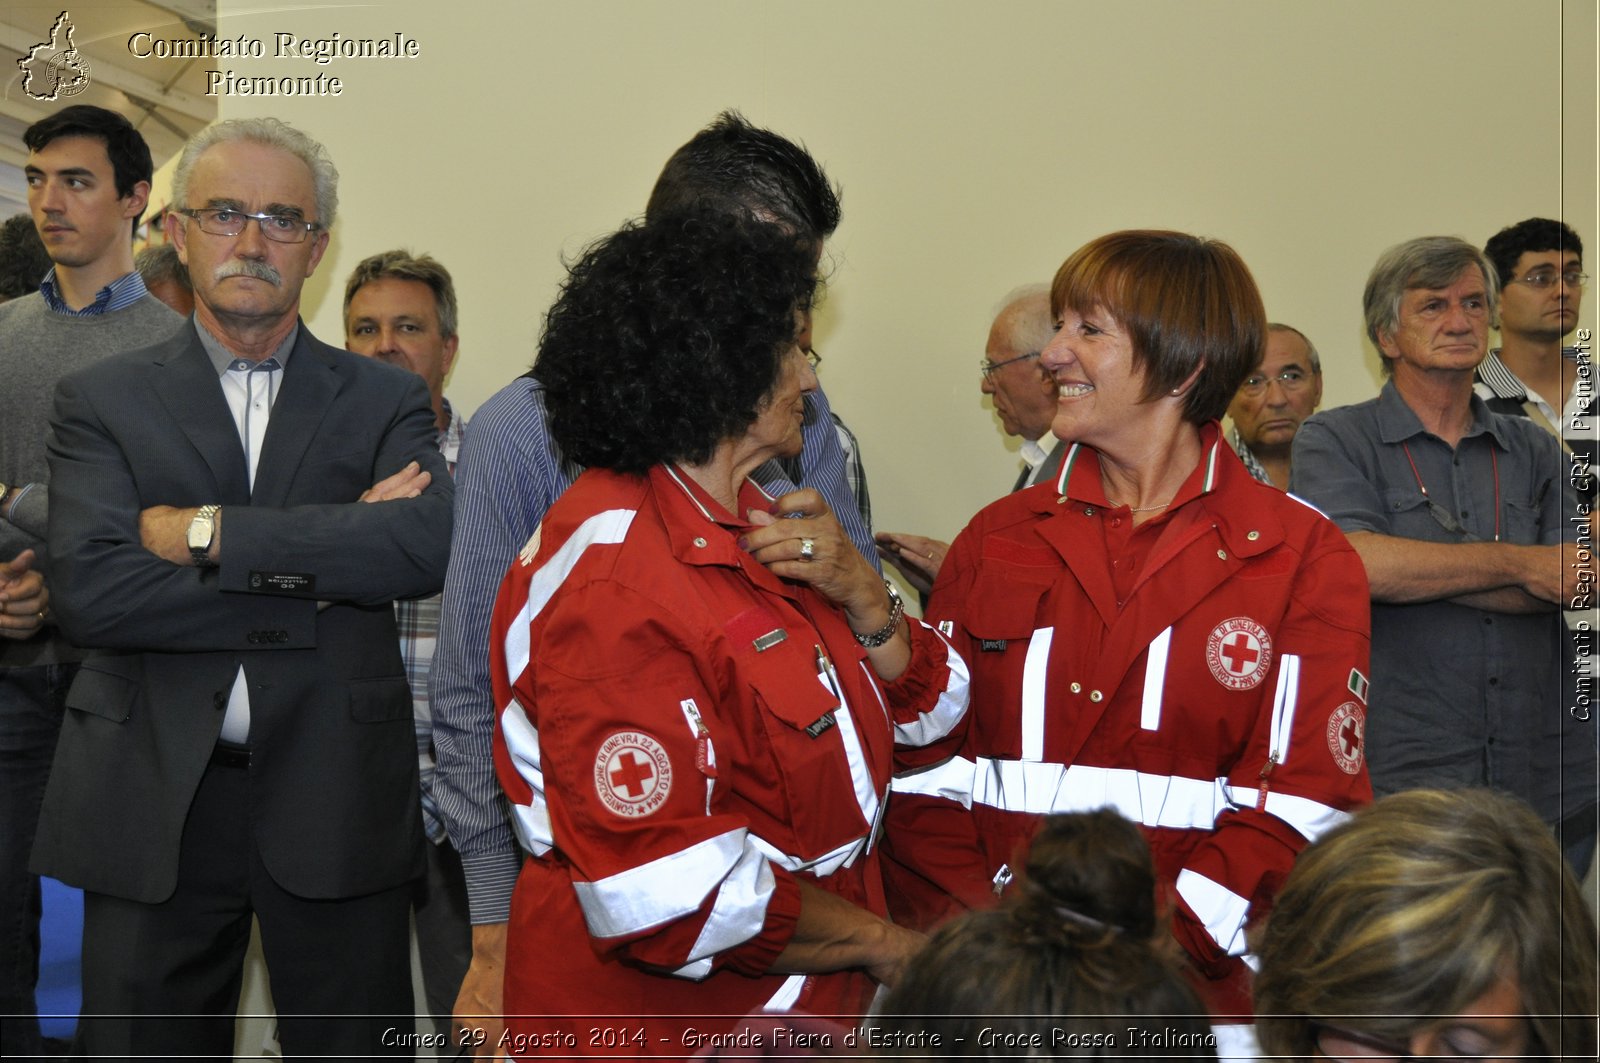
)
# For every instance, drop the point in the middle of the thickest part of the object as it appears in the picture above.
(55, 69)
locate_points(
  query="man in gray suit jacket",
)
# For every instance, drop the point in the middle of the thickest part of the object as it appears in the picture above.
(1024, 397)
(244, 748)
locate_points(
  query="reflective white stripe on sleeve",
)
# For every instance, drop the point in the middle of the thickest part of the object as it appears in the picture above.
(739, 913)
(664, 889)
(1219, 908)
(1310, 819)
(530, 822)
(1155, 681)
(1034, 667)
(820, 866)
(940, 720)
(602, 528)
(1171, 801)
(787, 994)
(1284, 702)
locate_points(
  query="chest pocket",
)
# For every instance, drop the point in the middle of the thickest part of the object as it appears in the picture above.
(817, 798)
(1008, 652)
(1406, 510)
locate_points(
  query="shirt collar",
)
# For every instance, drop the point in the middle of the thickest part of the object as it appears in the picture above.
(1034, 451)
(1252, 464)
(1398, 422)
(222, 358)
(119, 294)
(1083, 484)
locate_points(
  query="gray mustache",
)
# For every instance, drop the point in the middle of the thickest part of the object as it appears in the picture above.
(248, 267)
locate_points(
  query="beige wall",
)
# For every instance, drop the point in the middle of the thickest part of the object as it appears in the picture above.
(977, 146)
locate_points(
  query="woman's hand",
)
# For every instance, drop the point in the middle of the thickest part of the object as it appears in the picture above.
(832, 566)
(807, 545)
(833, 934)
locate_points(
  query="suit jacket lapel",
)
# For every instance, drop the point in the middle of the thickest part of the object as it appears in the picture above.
(310, 383)
(187, 385)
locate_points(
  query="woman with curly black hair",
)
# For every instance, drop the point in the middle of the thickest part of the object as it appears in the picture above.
(700, 686)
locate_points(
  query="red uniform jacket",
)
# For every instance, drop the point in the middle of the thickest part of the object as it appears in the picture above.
(682, 736)
(1220, 703)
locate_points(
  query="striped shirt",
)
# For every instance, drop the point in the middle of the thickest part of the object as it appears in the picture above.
(119, 294)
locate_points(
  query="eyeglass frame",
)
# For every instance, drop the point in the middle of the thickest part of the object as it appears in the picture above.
(1543, 278)
(987, 368)
(1283, 382)
(303, 228)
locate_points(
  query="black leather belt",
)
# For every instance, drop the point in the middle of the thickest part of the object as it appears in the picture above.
(230, 755)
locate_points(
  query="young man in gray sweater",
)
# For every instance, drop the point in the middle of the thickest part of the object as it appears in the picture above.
(88, 174)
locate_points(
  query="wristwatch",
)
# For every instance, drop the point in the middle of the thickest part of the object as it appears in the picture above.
(897, 609)
(202, 530)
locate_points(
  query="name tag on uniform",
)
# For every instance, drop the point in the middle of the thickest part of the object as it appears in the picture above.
(770, 639)
(992, 645)
(823, 724)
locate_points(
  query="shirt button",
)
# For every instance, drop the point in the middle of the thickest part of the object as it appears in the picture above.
(1077, 688)
(698, 541)
(1088, 511)
(1062, 500)
(1222, 555)
(1253, 536)
(1116, 522)
(1095, 695)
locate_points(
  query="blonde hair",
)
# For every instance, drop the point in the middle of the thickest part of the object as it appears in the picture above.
(1417, 907)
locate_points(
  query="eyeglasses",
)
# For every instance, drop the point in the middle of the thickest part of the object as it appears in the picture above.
(225, 221)
(1338, 1043)
(1546, 278)
(1291, 380)
(987, 367)
(813, 358)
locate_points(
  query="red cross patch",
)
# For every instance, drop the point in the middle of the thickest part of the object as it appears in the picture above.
(1347, 737)
(632, 774)
(1239, 653)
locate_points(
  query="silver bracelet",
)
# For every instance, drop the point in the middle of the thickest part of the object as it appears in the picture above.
(897, 609)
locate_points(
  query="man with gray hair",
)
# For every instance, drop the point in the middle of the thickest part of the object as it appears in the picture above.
(1458, 516)
(1024, 397)
(243, 748)
(1272, 403)
(166, 276)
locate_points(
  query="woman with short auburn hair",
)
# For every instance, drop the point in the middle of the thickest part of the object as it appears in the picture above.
(1151, 630)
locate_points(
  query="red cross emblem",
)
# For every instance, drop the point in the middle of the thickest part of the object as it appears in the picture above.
(1347, 730)
(1239, 653)
(632, 774)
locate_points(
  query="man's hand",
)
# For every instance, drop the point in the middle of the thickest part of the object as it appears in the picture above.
(918, 557)
(24, 599)
(409, 482)
(479, 1011)
(164, 531)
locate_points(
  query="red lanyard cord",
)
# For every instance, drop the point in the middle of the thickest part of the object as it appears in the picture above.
(1451, 524)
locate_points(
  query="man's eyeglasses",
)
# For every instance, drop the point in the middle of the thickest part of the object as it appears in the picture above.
(987, 367)
(1291, 380)
(813, 358)
(225, 221)
(1545, 278)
